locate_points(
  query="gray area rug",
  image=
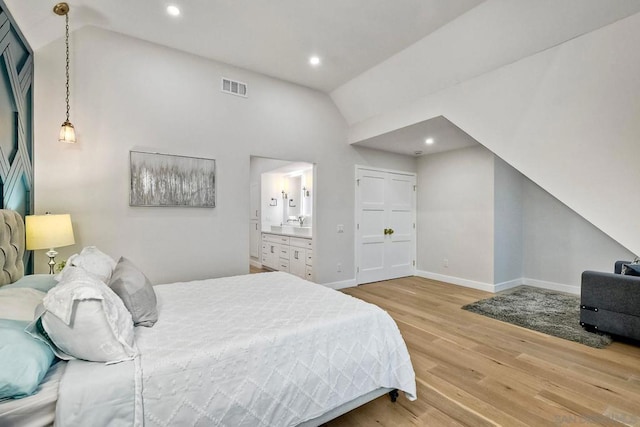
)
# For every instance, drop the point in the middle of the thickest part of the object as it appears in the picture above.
(550, 312)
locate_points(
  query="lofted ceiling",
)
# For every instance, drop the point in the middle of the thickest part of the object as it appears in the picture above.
(359, 42)
(275, 38)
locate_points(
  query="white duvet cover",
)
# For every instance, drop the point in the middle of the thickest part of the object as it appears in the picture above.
(257, 350)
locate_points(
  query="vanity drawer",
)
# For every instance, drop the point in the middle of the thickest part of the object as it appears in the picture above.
(275, 238)
(283, 265)
(300, 243)
(309, 273)
(309, 260)
(284, 252)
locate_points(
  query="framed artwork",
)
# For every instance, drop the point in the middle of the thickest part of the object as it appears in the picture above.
(170, 180)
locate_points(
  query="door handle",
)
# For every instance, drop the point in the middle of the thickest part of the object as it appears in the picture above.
(386, 231)
(390, 231)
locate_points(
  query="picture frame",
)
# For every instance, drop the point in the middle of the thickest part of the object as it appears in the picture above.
(168, 180)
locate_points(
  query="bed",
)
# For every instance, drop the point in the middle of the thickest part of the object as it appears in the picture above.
(267, 349)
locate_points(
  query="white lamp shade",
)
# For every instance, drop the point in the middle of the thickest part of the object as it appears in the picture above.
(67, 133)
(48, 231)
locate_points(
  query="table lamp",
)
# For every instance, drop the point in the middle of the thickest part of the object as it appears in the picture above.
(49, 232)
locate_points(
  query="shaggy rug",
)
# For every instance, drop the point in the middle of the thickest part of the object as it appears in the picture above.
(550, 312)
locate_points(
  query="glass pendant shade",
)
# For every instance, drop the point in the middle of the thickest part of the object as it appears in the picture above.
(67, 133)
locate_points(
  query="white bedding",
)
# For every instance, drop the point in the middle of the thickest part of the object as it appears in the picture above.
(257, 350)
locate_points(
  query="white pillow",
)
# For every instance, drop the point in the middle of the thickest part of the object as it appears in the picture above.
(86, 320)
(94, 261)
(19, 303)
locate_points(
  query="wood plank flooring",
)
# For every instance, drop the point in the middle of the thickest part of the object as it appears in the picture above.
(475, 371)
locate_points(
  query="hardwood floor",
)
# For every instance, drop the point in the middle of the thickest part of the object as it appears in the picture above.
(475, 371)
(253, 270)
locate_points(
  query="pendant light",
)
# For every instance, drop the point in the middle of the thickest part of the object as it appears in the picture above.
(67, 132)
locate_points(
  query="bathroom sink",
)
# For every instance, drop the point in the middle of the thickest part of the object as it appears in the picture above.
(302, 231)
(292, 229)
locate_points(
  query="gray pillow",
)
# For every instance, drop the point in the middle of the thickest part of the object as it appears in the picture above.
(135, 290)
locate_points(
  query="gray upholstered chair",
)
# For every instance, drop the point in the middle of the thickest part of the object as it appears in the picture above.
(610, 302)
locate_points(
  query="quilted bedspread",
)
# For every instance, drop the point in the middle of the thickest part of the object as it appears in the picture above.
(262, 350)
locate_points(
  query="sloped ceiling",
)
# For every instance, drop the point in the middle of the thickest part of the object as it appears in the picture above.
(364, 45)
(275, 38)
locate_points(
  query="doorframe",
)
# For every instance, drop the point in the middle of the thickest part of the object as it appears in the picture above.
(356, 235)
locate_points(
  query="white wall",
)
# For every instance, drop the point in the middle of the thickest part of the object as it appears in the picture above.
(508, 227)
(567, 118)
(559, 244)
(455, 211)
(127, 93)
(498, 229)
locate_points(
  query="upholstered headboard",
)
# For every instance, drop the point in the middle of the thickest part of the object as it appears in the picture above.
(11, 246)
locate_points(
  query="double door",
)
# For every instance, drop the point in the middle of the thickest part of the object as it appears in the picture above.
(385, 225)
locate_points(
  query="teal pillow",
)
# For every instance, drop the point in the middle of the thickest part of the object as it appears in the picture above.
(24, 360)
(41, 282)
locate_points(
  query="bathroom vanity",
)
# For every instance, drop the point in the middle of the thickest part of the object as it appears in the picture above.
(283, 252)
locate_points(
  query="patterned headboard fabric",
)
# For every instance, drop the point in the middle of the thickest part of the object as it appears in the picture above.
(11, 246)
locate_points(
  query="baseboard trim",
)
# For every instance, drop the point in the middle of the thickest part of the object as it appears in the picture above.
(509, 284)
(456, 280)
(255, 263)
(341, 285)
(499, 286)
(552, 286)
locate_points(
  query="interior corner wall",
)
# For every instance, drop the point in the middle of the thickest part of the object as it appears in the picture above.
(496, 227)
(130, 94)
(559, 244)
(455, 214)
(508, 227)
(567, 118)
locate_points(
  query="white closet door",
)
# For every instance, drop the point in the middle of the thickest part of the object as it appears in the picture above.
(385, 238)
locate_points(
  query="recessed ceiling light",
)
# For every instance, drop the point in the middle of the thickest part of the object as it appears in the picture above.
(429, 141)
(314, 60)
(173, 10)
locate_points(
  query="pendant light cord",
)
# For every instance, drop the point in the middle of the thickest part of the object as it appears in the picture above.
(66, 16)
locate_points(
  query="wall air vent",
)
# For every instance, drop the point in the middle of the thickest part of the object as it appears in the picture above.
(234, 87)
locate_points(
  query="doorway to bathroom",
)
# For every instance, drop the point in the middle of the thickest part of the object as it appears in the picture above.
(281, 218)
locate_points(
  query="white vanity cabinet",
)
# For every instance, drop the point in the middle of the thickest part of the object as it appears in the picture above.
(290, 254)
(300, 257)
(272, 252)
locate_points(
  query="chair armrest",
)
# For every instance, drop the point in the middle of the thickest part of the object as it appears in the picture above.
(610, 291)
(618, 266)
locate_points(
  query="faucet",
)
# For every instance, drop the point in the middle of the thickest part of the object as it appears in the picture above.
(301, 219)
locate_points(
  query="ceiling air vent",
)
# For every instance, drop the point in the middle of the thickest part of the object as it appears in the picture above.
(234, 87)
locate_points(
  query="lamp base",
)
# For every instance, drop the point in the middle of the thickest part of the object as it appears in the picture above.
(52, 262)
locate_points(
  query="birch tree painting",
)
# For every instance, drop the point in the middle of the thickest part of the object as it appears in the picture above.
(167, 180)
